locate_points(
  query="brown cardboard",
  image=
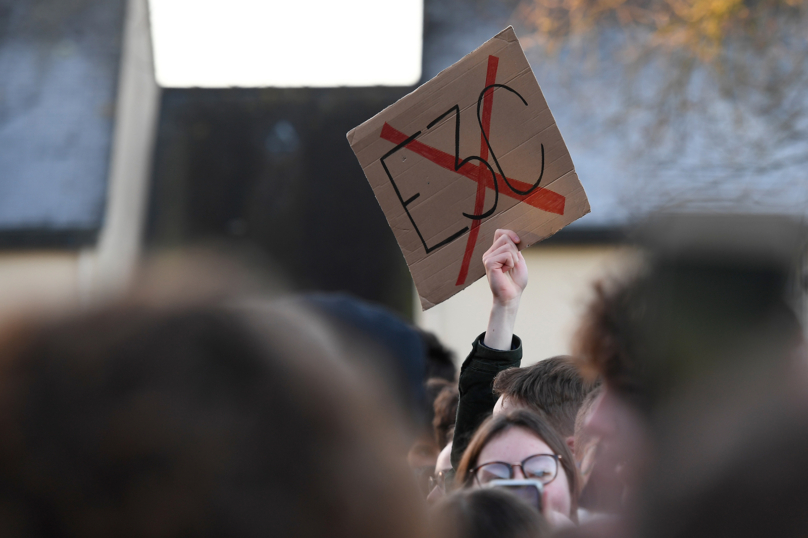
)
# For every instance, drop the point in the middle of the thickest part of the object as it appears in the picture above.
(408, 154)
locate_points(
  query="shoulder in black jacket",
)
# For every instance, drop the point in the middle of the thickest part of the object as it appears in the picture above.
(476, 389)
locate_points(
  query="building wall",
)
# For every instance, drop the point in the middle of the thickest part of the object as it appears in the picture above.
(32, 279)
(36, 280)
(559, 282)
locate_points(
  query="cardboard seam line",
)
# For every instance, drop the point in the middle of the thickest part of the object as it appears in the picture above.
(377, 135)
(385, 185)
(402, 215)
(407, 112)
(506, 212)
(464, 109)
(498, 216)
(549, 184)
(553, 224)
(501, 157)
(450, 118)
(451, 183)
(534, 117)
(442, 273)
(421, 200)
(457, 65)
(426, 88)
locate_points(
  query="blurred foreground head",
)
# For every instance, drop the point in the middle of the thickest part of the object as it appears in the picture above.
(727, 377)
(697, 353)
(715, 292)
(192, 421)
(487, 513)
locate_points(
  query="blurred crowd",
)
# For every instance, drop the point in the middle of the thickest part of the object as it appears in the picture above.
(227, 413)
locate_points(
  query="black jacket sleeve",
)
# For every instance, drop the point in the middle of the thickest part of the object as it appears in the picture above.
(476, 392)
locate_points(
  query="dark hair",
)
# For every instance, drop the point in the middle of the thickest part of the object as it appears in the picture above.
(445, 414)
(433, 388)
(495, 425)
(196, 421)
(553, 387)
(487, 513)
(439, 359)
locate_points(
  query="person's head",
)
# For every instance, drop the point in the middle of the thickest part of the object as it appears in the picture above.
(427, 445)
(736, 495)
(602, 343)
(439, 359)
(530, 448)
(379, 340)
(192, 421)
(487, 513)
(601, 489)
(604, 349)
(554, 388)
(443, 478)
(445, 409)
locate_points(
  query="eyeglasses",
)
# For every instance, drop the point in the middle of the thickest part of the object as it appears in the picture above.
(441, 479)
(542, 467)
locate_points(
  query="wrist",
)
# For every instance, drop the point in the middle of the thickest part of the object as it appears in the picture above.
(507, 305)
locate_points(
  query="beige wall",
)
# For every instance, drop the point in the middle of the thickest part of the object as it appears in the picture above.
(559, 281)
(32, 280)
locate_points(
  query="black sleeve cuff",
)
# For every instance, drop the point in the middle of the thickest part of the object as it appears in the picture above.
(483, 358)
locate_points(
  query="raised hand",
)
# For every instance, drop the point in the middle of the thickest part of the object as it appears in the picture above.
(506, 270)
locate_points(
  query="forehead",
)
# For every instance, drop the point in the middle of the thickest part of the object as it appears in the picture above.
(512, 446)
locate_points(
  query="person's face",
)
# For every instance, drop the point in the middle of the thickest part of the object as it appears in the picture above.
(443, 465)
(421, 458)
(621, 437)
(514, 445)
(585, 451)
(423, 453)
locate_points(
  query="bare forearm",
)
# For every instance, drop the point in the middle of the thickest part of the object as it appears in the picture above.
(501, 323)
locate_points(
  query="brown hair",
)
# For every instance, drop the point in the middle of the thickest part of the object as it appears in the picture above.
(487, 513)
(602, 342)
(495, 425)
(196, 421)
(553, 387)
(445, 414)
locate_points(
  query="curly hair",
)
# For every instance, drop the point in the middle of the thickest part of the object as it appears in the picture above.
(603, 341)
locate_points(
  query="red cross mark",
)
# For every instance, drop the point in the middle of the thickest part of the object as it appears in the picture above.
(540, 198)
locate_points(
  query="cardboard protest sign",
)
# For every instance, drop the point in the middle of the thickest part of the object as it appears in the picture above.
(474, 149)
